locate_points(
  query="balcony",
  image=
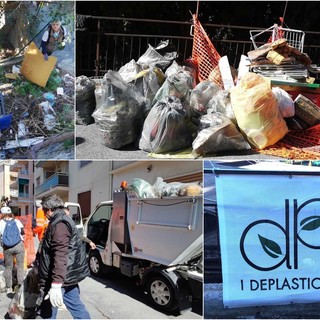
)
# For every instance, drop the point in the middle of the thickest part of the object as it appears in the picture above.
(14, 193)
(54, 182)
(23, 194)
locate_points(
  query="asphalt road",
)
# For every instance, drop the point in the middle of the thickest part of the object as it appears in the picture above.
(90, 145)
(112, 296)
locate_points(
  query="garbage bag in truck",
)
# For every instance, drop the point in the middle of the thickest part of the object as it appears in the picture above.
(142, 188)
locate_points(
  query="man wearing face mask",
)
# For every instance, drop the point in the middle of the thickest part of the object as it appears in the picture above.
(62, 263)
(53, 38)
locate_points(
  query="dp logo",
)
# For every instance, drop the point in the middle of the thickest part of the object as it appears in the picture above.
(266, 244)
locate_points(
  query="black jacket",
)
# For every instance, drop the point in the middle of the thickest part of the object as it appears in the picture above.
(62, 256)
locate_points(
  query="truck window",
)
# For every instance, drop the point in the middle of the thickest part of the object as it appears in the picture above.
(75, 214)
(98, 225)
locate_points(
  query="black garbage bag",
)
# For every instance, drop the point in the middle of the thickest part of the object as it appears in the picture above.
(85, 99)
(166, 128)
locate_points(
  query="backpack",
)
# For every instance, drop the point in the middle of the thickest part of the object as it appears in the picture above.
(11, 234)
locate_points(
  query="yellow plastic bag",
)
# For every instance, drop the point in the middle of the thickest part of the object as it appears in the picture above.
(257, 112)
(35, 68)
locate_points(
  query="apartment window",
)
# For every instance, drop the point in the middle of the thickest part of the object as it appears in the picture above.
(27, 209)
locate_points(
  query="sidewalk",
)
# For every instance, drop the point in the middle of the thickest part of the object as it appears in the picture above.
(214, 309)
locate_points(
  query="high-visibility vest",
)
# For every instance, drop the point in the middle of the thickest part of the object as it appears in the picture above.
(41, 223)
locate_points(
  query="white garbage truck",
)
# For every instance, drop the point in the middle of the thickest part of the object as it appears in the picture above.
(157, 240)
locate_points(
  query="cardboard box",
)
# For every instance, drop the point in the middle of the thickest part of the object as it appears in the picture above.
(307, 110)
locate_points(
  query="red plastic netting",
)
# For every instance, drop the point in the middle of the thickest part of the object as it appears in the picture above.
(298, 145)
(204, 54)
(28, 238)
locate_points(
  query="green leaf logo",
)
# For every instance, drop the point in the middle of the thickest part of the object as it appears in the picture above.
(270, 247)
(310, 223)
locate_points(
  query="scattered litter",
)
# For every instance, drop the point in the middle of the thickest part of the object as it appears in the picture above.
(15, 69)
(50, 98)
(5, 121)
(60, 91)
(49, 118)
(22, 129)
(12, 76)
(25, 143)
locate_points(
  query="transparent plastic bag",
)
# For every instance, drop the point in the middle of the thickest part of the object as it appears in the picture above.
(164, 189)
(178, 85)
(121, 124)
(201, 95)
(218, 134)
(161, 56)
(148, 82)
(257, 112)
(120, 111)
(129, 71)
(166, 128)
(141, 188)
(221, 103)
(24, 302)
(285, 102)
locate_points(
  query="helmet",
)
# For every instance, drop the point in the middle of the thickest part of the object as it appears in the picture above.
(38, 203)
(5, 210)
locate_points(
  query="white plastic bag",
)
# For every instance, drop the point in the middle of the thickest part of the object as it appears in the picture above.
(285, 102)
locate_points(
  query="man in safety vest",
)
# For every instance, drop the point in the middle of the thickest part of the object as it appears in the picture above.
(41, 221)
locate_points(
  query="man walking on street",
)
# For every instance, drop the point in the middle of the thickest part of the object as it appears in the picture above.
(62, 263)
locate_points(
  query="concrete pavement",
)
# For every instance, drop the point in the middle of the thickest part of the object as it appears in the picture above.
(90, 145)
(214, 309)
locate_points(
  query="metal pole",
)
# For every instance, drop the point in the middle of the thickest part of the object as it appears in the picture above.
(98, 50)
(198, 2)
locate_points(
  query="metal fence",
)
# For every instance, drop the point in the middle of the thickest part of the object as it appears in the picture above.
(109, 48)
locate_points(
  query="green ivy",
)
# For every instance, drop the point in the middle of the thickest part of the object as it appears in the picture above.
(25, 87)
(67, 144)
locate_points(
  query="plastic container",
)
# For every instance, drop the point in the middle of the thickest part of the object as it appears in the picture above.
(5, 121)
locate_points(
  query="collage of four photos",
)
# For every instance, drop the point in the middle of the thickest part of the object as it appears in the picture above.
(159, 160)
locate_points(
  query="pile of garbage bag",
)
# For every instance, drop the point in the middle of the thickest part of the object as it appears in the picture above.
(160, 188)
(157, 103)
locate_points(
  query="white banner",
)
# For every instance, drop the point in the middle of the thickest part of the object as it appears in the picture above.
(270, 238)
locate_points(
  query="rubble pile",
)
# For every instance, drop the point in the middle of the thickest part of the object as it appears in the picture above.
(279, 60)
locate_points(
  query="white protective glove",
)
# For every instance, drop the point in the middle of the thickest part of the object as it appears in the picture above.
(55, 295)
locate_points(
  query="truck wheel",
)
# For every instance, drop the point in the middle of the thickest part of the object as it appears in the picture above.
(161, 293)
(95, 263)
